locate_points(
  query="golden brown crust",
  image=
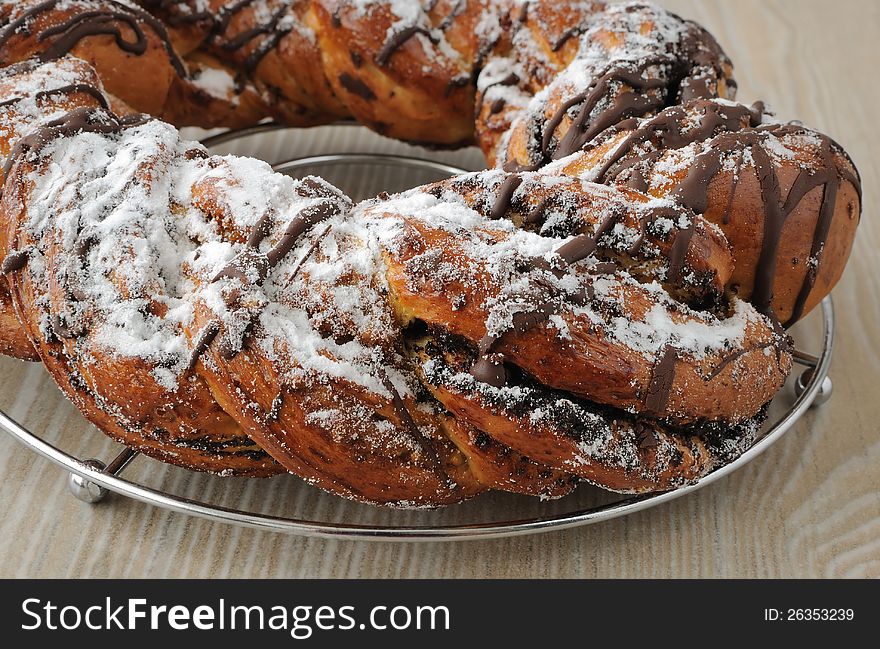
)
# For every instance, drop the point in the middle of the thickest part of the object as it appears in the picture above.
(631, 61)
(303, 399)
(438, 277)
(744, 228)
(609, 449)
(562, 207)
(804, 262)
(402, 93)
(13, 340)
(497, 466)
(338, 457)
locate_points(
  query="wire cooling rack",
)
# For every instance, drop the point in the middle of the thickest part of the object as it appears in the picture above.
(382, 165)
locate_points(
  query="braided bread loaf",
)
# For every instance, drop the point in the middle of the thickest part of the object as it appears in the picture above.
(593, 309)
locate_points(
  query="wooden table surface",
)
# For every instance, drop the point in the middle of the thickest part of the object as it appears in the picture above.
(809, 507)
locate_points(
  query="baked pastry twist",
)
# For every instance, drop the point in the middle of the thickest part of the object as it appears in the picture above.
(787, 198)
(579, 313)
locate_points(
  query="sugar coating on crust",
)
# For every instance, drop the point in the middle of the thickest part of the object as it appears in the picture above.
(500, 253)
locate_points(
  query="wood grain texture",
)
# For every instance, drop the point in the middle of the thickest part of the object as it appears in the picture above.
(809, 507)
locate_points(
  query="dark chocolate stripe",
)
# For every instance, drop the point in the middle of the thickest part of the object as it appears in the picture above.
(583, 128)
(77, 88)
(254, 58)
(582, 246)
(537, 214)
(15, 260)
(489, 369)
(567, 35)
(92, 23)
(396, 40)
(176, 19)
(356, 86)
(203, 341)
(505, 196)
(260, 231)
(730, 358)
(304, 221)
(662, 379)
(678, 252)
(735, 129)
(80, 120)
(402, 412)
(243, 38)
(454, 13)
(489, 365)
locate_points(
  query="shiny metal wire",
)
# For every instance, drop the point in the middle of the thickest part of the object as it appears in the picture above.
(330, 159)
(812, 386)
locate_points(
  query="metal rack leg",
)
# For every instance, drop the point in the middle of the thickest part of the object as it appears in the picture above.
(89, 492)
(800, 384)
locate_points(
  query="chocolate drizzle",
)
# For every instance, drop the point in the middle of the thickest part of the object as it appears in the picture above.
(397, 39)
(456, 10)
(671, 129)
(489, 367)
(243, 38)
(79, 120)
(537, 214)
(662, 379)
(252, 267)
(505, 196)
(249, 266)
(678, 253)
(730, 358)
(69, 89)
(15, 260)
(305, 220)
(72, 89)
(567, 35)
(68, 34)
(688, 69)
(223, 18)
(272, 31)
(584, 127)
(77, 88)
(399, 406)
(734, 129)
(203, 341)
(497, 106)
(583, 245)
(356, 86)
(179, 18)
